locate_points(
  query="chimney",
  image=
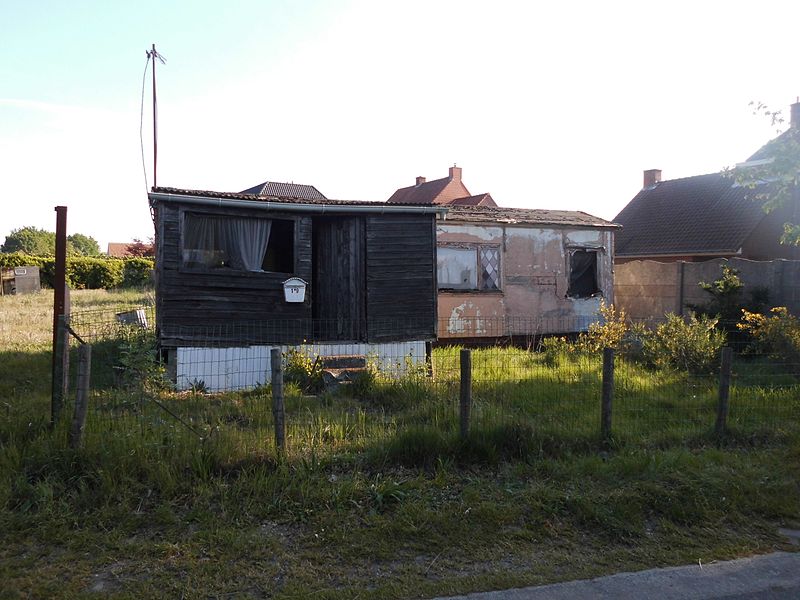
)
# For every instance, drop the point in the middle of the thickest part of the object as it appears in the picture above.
(455, 173)
(420, 180)
(795, 123)
(651, 177)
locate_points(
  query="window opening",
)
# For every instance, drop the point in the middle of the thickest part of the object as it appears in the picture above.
(583, 274)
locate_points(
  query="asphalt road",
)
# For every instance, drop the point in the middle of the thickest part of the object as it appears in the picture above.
(768, 577)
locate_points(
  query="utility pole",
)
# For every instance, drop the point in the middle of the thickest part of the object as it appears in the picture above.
(152, 53)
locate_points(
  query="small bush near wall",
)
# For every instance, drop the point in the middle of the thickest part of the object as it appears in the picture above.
(692, 345)
(777, 334)
(87, 272)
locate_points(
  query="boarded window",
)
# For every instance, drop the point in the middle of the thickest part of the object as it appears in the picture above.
(237, 243)
(583, 274)
(470, 268)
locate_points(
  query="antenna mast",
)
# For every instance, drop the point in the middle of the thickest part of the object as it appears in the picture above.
(155, 55)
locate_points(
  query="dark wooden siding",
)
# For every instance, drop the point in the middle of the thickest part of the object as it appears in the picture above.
(205, 308)
(401, 277)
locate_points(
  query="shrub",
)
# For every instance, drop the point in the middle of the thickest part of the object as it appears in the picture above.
(303, 371)
(777, 335)
(692, 345)
(93, 273)
(610, 332)
(136, 272)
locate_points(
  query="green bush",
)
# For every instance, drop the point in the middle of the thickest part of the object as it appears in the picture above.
(85, 272)
(692, 345)
(94, 273)
(610, 332)
(303, 371)
(136, 272)
(777, 335)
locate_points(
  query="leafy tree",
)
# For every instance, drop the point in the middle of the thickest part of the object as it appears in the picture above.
(83, 245)
(30, 240)
(140, 249)
(774, 171)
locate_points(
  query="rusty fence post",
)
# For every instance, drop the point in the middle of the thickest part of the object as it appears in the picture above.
(724, 390)
(82, 395)
(466, 390)
(608, 393)
(278, 409)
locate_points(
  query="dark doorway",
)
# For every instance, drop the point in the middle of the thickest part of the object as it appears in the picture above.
(339, 279)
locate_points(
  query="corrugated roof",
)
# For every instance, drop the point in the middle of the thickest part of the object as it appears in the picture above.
(285, 190)
(524, 216)
(703, 214)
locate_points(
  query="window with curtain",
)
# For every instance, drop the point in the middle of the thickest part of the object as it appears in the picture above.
(238, 243)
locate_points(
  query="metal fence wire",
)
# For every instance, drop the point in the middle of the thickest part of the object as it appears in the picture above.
(353, 396)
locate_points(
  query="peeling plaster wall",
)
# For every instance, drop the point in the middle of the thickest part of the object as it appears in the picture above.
(534, 281)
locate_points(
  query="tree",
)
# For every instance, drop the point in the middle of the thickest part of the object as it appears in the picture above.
(141, 249)
(774, 171)
(30, 240)
(83, 245)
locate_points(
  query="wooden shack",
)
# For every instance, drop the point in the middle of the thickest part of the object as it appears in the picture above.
(225, 264)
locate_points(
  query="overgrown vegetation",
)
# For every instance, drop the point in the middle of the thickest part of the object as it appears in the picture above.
(378, 496)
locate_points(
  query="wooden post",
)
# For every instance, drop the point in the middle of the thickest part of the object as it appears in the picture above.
(724, 390)
(466, 390)
(60, 369)
(278, 411)
(82, 396)
(429, 358)
(608, 393)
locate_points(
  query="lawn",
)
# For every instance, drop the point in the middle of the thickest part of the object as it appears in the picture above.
(185, 495)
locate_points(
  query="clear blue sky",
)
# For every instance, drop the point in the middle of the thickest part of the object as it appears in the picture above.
(545, 105)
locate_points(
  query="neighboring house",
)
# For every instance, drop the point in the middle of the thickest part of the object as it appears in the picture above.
(505, 272)
(119, 250)
(706, 216)
(223, 261)
(287, 191)
(449, 190)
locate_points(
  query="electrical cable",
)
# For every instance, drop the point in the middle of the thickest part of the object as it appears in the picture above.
(141, 121)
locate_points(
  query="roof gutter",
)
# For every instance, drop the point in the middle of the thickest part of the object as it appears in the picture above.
(317, 207)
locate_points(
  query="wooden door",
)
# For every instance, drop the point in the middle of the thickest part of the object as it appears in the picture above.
(339, 282)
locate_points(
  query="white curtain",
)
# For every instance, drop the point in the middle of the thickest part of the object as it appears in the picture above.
(247, 242)
(233, 242)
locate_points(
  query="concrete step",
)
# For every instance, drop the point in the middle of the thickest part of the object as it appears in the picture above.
(343, 361)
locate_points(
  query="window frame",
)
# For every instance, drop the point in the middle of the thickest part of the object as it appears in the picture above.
(596, 251)
(229, 272)
(476, 249)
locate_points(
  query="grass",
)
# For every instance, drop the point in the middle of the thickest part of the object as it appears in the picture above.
(378, 497)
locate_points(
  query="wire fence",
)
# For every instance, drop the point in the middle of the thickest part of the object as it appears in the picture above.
(353, 396)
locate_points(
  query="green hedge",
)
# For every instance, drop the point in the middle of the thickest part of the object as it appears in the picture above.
(86, 272)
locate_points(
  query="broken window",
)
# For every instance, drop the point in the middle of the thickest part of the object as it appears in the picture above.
(583, 274)
(238, 243)
(468, 268)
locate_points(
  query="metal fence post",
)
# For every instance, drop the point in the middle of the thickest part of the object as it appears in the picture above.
(466, 390)
(608, 393)
(278, 410)
(82, 395)
(60, 369)
(724, 390)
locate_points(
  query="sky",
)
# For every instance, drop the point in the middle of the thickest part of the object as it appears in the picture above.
(556, 105)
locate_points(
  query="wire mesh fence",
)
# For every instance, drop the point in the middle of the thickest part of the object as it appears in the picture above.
(352, 396)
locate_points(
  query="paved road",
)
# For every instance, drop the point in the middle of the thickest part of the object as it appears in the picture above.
(768, 577)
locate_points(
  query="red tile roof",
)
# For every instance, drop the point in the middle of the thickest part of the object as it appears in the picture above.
(477, 200)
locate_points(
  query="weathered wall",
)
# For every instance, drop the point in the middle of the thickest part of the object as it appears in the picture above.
(534, 281)
(647, 289)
